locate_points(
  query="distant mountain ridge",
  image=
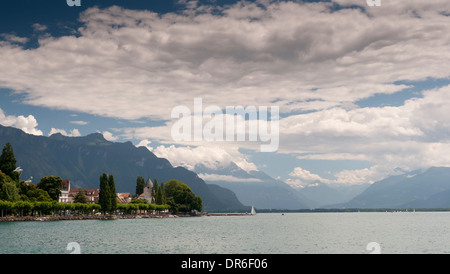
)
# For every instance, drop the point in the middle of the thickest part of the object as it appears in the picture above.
(83, 159)
(255, 187)
(321, 194)
(417, 189)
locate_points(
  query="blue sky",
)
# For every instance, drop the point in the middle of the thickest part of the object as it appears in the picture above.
(362, 90)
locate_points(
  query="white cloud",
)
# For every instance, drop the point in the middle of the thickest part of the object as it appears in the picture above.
(109, 136)
(212, 157)
(305, 175)
(407, 135)
(145, 143)
(26, 124)
(73, 133)
(80, 123)
(39, 27)
(227, 178)
(295, 183)
(255, 54)
(242, 54)
(12, 38)
(304, 178)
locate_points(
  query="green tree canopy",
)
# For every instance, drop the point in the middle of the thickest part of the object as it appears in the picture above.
(51, 184)
(140, 183)
(161, 195)
(8, 162)
(9, 192)
(31, 193)
(80, 197)
(104, 198)
(113, 193)
(182, 197)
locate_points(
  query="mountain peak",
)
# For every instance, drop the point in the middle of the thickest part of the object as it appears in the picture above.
(57, 136)
(96, 136)
(93, 138)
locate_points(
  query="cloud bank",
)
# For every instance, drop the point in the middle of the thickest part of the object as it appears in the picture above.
(315, 61)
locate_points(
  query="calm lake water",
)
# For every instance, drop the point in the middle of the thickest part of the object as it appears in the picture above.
(291, 233)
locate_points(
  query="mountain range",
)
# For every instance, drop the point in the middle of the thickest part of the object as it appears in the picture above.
(83, 159)
(254, 187)
(428, 188)
(264, 192)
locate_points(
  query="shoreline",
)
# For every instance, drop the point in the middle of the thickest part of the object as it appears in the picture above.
(97, 217)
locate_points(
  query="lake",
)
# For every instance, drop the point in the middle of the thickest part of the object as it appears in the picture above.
(270, 233)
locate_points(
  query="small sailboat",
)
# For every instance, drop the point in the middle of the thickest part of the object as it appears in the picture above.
(253, 212)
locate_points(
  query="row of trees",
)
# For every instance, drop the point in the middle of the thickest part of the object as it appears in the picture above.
(22, 208)
(24, 198)
(54, 208)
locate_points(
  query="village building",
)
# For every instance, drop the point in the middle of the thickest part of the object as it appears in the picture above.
(65, 189)
(68, 195)
(124, 198)
(148, 192)
(92, 194)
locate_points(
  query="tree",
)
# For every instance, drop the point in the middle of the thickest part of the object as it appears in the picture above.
(181, 197)
(42, 207)
(154, 191)
(31, 193)
(113, 193)
(8, 162)
(104, 196)
(140, 183)
(160, 195)
(5, 206)
(8, 188)
(51, 184)
(9, 192)
(80, 198)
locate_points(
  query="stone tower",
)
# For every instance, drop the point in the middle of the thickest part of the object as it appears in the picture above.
(148, 191)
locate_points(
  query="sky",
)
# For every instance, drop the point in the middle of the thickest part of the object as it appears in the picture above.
(363, 91)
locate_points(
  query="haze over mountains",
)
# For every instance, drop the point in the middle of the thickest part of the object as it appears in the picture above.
(417, 189)
(259, 189)
(254, 187)
(84, 159)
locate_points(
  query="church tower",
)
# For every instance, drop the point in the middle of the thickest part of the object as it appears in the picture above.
(148, 191)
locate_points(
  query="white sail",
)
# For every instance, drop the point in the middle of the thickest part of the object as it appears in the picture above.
(253, 211)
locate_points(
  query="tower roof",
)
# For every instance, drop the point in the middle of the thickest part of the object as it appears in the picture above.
(149, 183)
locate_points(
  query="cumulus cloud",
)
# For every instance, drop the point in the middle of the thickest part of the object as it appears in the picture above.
(109, 136)
(253, 53)
(301, 178)
(315, 60)
(226, 178)
(399, 136)
(305, 175)
(39, 27)
(212, 157)
(145, 143)
(26, 124)
(73, 133)
(13, 39)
